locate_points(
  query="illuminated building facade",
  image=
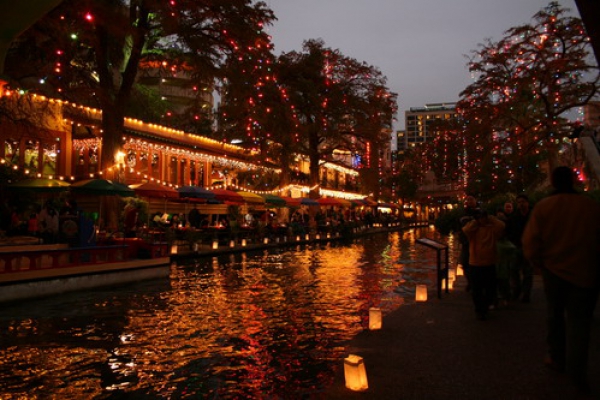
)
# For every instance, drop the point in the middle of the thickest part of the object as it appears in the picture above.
(63, 140)
(419, 121)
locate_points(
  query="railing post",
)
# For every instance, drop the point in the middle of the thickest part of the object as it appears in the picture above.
(441, 273)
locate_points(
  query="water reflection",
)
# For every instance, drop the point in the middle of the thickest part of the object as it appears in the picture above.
(238, 326)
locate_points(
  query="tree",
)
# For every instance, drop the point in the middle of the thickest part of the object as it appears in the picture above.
(528, 80)
(339, 103)
(406, 182)
(90, 51)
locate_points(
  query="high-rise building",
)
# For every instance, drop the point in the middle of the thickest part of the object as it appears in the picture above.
(591, 114)
(418, 121)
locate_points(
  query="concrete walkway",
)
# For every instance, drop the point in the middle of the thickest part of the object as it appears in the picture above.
(439, 350)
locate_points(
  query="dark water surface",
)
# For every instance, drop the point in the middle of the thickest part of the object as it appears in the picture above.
(244, 326)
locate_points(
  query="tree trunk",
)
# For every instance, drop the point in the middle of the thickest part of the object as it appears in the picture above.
(314, 158)
(285, 177)
(112, 126)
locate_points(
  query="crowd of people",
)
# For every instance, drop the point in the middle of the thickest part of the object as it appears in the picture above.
(560, 238)
(266, 223)
(49, 222)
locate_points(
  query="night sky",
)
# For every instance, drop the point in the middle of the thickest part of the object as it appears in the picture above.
(420, 45)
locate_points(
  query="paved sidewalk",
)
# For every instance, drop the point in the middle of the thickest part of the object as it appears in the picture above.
(439, 350)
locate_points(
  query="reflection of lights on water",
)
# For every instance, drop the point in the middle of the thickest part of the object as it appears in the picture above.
(126, 338)
(227, 318)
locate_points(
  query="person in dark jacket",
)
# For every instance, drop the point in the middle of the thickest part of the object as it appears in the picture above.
(483, 233)
(562, 238)
(469, 214)
(522, 272)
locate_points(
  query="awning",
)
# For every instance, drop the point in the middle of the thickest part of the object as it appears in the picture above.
(251, 198)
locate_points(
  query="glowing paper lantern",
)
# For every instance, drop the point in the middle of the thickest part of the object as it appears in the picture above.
(243, 242)
(451, 274)
(174, 249)
(215, 244)
(266, 240)
(421, 293)
(297, 238)
(374, 318)
(459, 270)
(232, 243)
(307, 237)
(355, 373)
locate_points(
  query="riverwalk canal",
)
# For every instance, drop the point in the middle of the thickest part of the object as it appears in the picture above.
(251, 325)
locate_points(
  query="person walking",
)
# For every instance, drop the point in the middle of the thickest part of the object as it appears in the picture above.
(506, 253)
(194, 217)
(521, 271)
(562, 238)
(470, 208)
(483, 233)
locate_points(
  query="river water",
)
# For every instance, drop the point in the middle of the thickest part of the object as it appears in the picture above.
(242, 326)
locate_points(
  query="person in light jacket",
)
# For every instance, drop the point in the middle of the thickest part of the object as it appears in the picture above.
(483, 233)
(562, 239)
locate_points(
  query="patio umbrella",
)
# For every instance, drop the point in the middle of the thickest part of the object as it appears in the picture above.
(292, 201)
(331, 201)
(101, 187)
(228, 196)
(154, 190)
(344, 203)
(305, 201)
(273, 200)
(369, 202)
(251, 198)
(195, 192)
(358, 202)
(40, 185)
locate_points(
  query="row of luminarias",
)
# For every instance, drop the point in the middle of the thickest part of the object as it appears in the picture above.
(355, 372)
